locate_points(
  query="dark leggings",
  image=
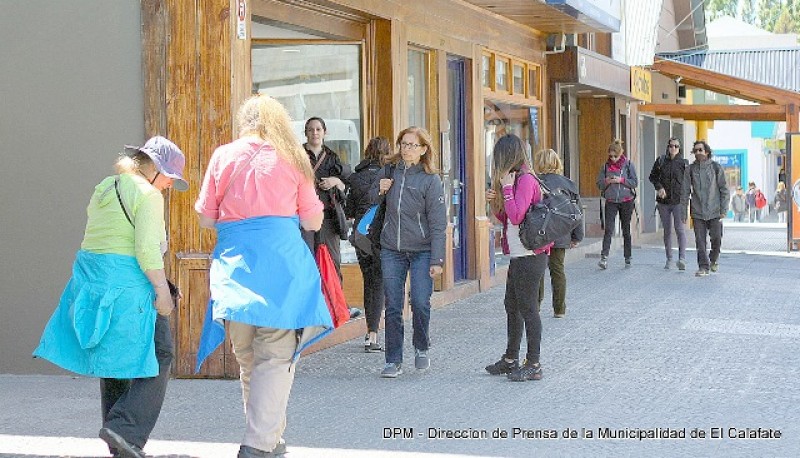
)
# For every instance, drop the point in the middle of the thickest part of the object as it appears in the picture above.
(522, 293)
(373, 289)
(625, 211)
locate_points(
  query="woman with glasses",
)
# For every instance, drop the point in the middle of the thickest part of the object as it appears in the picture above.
(412, 242)
(368, 172)
(617, 180)
(112, 321)
(668, 174)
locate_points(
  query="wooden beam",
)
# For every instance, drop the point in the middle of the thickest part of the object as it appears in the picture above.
(724, 84)
(718, 112)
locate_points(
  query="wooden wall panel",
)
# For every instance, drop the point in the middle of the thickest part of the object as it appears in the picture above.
(154, 37)
(595, 133)
(214, 110)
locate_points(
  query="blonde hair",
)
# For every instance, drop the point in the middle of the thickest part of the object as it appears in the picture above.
(547, 161)
(266, 118)
(509, 154)
(616, 146)
(424, 139)
(133, 164)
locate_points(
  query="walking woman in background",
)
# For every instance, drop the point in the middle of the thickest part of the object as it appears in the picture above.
(668, 174)
(780, 202)
(548, 167)
(112, 320)
(514, 189)
(257, 192)
(329, 174)
(412, 241)
(617, 181)
(358, 203)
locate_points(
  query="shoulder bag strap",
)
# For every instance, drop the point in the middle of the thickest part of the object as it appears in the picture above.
(122, 204)
(320, 160)
(237, 172)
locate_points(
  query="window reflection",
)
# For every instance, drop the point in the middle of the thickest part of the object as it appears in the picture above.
(417, 88)
(315, 80)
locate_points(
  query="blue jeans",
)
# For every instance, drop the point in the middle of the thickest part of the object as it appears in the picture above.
(396, 265)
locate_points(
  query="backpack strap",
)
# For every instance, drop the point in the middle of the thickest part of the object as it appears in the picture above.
(122, 204)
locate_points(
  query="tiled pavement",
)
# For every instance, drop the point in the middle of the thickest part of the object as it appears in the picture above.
(640, 349)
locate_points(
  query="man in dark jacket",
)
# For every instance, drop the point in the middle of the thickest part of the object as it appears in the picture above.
(668, 175)
(709, 204)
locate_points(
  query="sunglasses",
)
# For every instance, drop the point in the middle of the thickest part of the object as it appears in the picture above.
(698, 150)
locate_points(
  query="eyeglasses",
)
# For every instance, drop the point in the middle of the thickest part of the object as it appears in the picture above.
(404, 145)
(698, 150)
(673, 146)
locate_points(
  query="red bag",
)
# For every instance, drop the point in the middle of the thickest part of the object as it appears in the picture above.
(761, 201)
(332, 287)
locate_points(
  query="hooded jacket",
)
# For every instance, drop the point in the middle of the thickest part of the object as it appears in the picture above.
(669, 173)
(358, 198)
(330, 167)
(618, 192)
(707, 190)
(415, 212)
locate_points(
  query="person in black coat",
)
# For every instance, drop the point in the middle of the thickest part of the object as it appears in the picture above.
(668, 175)
(358, 203)
(331, 178)
(548, 167)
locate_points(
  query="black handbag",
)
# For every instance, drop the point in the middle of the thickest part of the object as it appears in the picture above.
(554, 217)
(341, 219)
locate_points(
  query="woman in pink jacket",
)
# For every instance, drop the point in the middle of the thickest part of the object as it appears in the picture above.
(514, 189)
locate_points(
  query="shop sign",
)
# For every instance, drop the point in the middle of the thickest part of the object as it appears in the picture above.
(641, 84)
(241, 19)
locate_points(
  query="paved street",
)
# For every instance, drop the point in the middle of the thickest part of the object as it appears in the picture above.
(642, 351)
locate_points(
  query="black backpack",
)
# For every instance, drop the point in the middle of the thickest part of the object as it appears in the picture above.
(554, 217)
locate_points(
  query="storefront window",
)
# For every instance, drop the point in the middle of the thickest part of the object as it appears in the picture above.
(315, 80)
(533, 81)
(486, 71)
(417, 88)
(501, 75)
(502, 119)
(519, 79)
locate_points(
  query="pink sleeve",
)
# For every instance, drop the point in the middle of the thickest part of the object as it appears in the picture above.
(308, 204)
(207, 204)
(517, 203)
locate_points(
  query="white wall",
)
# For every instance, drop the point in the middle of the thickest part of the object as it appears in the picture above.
(70, 97)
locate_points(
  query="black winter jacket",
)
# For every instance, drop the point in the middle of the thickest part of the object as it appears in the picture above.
(554, 181)
(330, 167)
(669, 174)
(358, 199)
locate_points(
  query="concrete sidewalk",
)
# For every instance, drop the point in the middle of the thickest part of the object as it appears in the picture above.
(642, 351)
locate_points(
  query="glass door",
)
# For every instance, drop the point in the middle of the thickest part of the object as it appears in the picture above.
(455, 175)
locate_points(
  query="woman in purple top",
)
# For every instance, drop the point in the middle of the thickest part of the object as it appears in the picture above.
(514, 189)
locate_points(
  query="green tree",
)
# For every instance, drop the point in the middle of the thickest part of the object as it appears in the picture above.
(749, 11)
(718, 8)
(768, 13)
(785, 22)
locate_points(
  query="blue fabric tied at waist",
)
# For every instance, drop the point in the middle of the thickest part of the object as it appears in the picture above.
(263, 274)
(105, 320)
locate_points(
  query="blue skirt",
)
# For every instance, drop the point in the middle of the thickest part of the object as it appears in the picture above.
(263, 274)
(105, 321)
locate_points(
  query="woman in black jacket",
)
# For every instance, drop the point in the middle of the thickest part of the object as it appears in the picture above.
(358, 203)
(668, 175)
(331, 180)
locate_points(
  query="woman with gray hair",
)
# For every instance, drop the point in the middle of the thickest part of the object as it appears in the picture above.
(548, 167)
(112, 321)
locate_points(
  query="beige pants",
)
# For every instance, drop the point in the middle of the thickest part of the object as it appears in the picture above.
(267, 373)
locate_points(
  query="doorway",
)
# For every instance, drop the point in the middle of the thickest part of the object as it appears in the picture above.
(454, 166)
